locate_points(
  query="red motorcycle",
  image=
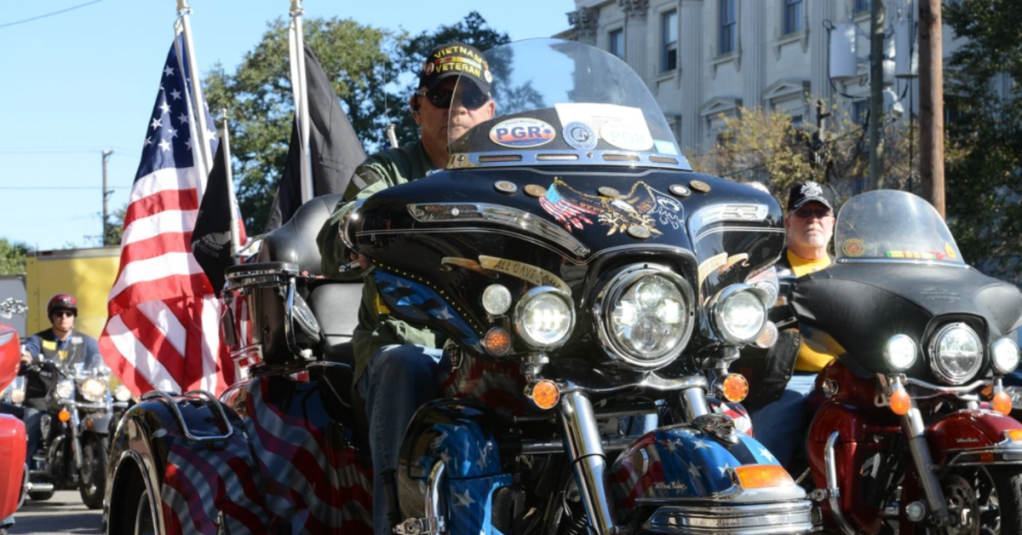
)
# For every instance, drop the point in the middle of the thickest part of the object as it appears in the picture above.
(911, 434)
(12, 430)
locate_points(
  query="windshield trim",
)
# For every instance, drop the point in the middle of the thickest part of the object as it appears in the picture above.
(936, 263)
(539, 158)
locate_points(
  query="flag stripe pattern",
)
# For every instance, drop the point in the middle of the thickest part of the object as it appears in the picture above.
(163, 330)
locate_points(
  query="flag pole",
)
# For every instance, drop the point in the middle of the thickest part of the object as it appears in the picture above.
(198, 101)
(235, 235)
(301, 96)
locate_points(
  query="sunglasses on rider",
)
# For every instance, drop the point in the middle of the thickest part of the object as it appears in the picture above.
(441, 98)
(63, 313)
(820, 213)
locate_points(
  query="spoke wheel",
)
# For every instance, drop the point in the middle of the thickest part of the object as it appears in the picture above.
(962, 505)
(984, 501)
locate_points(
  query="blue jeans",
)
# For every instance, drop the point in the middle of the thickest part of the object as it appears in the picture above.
(398, 380)
(781, 425)
(33, 431)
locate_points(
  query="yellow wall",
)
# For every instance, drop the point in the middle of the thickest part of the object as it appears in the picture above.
(87, 274)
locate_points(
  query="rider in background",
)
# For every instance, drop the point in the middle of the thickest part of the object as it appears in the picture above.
(60, 344)
(781, 424)
(397, 365)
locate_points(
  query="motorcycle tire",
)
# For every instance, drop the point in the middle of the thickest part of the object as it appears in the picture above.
(92, 480)
(1008, 482)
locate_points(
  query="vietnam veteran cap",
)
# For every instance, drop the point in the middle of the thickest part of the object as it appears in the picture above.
(455, 59)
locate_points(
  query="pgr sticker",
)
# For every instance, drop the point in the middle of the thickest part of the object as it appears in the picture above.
(853, 247)
(626, 137)
(522, 133)
(666, 147)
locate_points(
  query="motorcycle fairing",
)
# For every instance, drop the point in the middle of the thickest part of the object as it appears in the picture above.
(962, 437)
(287, 466)
(411, 298)
(684, 464)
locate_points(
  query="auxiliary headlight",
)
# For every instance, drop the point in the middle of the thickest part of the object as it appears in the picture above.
(65, 389)
(644, 316)
(739, 313)
(122, 393)
(1004, 355)
(544, 317)
(18, 396)
(93, 389)
(900, 352)
(956, 353)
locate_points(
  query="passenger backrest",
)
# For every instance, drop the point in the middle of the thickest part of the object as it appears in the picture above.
(295, 241)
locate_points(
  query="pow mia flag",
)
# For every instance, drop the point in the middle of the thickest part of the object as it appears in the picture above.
(211, 239)
(336, 150)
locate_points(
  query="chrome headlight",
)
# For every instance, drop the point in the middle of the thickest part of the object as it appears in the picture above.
(956, 353)
(65, 389)
(93, 389)
(1004, 355)
(739, 313)
(122, 393)
(544, 318)
(644, 316)
(900, 352)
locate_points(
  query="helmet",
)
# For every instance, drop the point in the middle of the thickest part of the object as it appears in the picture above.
(62, 302)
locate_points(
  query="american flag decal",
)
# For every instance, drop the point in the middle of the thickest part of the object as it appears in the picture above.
(564, 211)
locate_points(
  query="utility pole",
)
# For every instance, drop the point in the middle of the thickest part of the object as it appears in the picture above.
(106, 195)
(931, 104)
(876, 90)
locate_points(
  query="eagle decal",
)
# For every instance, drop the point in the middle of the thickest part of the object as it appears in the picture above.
(642, 206)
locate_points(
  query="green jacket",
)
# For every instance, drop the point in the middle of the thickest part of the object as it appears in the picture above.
(376, 328)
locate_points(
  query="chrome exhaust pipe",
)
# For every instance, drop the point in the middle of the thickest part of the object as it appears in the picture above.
(833, 492)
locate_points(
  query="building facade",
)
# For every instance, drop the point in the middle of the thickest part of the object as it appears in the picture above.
(702, 59)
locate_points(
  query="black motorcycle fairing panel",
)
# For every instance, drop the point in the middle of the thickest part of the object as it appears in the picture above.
(861, 305)
(447, 244)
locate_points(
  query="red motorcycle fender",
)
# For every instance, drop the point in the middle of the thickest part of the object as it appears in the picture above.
(969, 437)
(12, 463)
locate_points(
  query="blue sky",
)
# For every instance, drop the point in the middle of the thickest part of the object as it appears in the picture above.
(81, 81)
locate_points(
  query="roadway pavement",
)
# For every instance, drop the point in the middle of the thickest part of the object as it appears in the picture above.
(63, 513)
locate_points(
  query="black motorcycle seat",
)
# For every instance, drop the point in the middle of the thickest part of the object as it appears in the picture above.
(295, 241)
(335, 305)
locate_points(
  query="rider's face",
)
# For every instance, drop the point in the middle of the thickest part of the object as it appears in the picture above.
(434, 121)
(810, 227)
(62, 320)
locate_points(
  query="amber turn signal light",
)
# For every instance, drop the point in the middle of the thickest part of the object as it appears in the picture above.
(761, 476)
(901, 402)
(545, 394)
(64, 415)
(497, 342)
(1002, 403)
(1015, 435)
(735, 387)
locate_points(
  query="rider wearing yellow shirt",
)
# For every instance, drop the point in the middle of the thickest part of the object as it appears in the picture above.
(780, 425)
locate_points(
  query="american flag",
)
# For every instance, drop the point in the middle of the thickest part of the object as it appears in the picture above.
(164, 319)
(563, 210)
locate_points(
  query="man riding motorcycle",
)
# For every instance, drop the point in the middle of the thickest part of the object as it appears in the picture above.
(402, 362)
(61, 343)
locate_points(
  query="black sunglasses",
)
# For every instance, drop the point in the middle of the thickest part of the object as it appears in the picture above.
(441, 98)
(820, 213)
(63, 313)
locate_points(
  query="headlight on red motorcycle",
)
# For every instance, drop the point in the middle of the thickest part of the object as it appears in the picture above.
(1004, 356)
(900, 352)
(644, 316)
(93, 389)
(956, 353)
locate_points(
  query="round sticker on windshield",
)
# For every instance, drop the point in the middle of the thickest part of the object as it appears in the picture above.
(580, 136)
(853, 247)
(626, 137)
(522, 133)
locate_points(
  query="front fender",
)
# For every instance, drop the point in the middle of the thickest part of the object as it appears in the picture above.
(971, 437)
(680, 463)
(97, 423)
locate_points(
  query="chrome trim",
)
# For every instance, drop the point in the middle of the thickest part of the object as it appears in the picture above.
(530, 296)
(254, 350)
(1002, 454)
(566, 157)
(693, 402)
(786, 518)
(833, 490)
(451, 230)
(934, 345)
(545, 447)
(726, 212)
(941, 389)
(346, 215)
(520, 220)
(716, 306)
(240, 279)
(585, 451)
(607, 298)
(767, 230)
(651, 381)
(146, 469)
(892, 261)
(169, 400)
(919, 450)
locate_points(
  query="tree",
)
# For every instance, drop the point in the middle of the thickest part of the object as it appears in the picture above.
(984, 138)
(115, 228)
(259, 97)
(12, 257)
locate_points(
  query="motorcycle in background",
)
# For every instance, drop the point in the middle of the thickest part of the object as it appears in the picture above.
(914, 429)
(12, 430)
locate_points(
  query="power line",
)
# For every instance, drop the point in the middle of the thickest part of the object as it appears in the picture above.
(49, 14)
(50, 188)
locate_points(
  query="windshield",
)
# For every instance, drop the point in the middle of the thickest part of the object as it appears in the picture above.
(557, 103)
(893, 225)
